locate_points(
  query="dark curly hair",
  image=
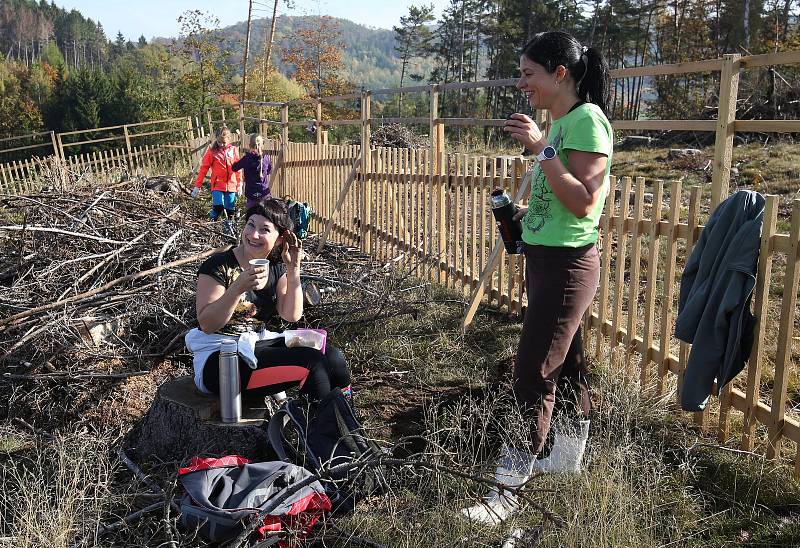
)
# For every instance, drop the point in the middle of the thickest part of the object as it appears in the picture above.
(275, 211)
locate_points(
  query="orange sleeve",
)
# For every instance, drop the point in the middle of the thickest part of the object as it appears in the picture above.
(205, 165)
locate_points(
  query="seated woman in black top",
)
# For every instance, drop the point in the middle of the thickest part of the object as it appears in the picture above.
(234, 297)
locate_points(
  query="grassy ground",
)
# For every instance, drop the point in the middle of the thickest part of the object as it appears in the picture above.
(650, 480)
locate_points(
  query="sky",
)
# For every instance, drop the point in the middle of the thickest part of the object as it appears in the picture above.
(153, 18)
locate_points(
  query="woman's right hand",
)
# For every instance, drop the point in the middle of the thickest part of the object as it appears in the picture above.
(254, 278)
(521, 211)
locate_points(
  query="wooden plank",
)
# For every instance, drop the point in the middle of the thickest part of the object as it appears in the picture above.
(726, 115)
(709, 65)
(783, 357)
(494, 258)
(766, 59)
(475, 238)
(409, 89)
(482, 200)
(473, 122)
(501, 270)
(518, 261)
(442, 218)
(621, 252)
(667, 302)
(26, 147)
(429, 217)
(482, 84)
(662, 125)
(460, 215)
(652, 285)
(336, 123)
(401, 120)
(700, 417)
(767, 126)
(605, 263)
(761, 310)
(633, 284)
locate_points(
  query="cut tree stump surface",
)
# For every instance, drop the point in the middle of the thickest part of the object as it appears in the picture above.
(183, 422)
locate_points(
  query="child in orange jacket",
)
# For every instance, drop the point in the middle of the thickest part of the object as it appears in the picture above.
(225, 183)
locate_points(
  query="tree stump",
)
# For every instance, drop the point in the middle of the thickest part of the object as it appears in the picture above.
(183, 422)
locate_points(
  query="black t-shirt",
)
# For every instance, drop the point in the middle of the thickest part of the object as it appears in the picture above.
(254, 306)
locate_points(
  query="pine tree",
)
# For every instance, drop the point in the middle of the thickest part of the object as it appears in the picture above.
(413, 38)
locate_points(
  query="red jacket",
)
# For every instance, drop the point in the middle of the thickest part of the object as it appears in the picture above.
(220, 163)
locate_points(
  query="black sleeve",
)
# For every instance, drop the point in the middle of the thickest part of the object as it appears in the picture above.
(214, 267)
(237, 165)
(279, 269)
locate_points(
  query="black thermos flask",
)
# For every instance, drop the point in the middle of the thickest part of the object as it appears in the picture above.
(510, 230)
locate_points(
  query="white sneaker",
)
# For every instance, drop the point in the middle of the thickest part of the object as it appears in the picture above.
(514, 468)
(567, 452)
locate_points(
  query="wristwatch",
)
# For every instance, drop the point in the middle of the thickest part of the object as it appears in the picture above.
(548, 153)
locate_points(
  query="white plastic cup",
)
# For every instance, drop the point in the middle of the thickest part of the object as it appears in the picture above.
(265, 264)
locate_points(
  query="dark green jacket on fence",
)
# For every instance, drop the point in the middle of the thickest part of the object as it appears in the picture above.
(714, 304)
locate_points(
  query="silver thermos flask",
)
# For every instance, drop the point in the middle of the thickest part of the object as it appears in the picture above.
(230, 390)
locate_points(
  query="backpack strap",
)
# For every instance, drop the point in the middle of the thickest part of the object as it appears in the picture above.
(345, 435)
(285, 452)
(275, 434)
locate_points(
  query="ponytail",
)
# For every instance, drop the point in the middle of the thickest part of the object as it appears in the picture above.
(586, 65)
(594, 83)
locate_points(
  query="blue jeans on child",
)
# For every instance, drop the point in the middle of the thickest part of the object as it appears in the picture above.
(222, 201)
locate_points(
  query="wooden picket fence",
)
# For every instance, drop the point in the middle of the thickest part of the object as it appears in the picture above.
(432, 216)
(27, 176)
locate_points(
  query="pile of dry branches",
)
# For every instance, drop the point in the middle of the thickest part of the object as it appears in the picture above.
(93, 281)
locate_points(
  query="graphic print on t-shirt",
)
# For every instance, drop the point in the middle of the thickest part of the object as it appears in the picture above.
(541, 195)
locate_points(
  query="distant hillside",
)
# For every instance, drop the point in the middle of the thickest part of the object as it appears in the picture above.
(369, 56)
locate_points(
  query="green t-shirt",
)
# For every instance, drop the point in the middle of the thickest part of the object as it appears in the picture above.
(548, 222)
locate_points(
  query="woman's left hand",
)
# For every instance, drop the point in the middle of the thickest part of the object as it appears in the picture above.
(292, 250)
(523, 129)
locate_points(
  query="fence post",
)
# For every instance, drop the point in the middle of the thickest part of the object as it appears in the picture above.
(366, 166)
(726, 116)
(55, 144)
(437, 144)
(210, 123)
(128, 145)
(60, 146)
(319, 121)
(783, 356)
(720, 180)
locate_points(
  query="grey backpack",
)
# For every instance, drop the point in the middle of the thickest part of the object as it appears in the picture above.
(221, 494)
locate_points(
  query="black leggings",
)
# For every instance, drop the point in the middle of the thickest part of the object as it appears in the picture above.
(218, 209)
(278, 370)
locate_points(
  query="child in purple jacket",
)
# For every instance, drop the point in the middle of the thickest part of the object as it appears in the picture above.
(257, 167)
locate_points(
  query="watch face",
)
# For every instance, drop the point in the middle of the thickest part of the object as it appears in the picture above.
(549, 152)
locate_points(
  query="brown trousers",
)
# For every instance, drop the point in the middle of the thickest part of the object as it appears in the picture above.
(561, 283)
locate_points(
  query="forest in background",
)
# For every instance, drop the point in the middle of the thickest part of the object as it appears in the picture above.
(60, 71)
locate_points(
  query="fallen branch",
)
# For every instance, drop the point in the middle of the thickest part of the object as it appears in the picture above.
(109, 285)
(29, 228)
(73, 376)
(141, 476)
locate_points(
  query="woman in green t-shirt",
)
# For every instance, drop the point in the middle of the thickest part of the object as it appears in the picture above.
(569, 183)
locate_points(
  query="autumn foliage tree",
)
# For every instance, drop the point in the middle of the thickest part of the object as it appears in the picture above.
(316, 56)
(206, 72)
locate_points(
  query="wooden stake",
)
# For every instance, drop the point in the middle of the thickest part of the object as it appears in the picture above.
(494, 258)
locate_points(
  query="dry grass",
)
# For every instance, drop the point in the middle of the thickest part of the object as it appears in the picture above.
(56, 494)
